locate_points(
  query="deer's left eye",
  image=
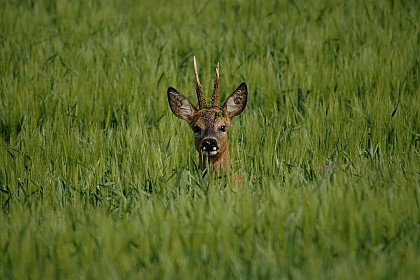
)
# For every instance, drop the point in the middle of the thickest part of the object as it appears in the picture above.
(222, 128)
(197, 129)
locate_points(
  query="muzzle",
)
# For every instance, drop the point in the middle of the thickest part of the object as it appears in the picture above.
(209, 147)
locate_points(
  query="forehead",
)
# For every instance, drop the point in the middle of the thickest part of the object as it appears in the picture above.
(211, 115)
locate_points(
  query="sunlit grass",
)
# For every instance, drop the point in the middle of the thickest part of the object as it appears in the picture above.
(99, 180)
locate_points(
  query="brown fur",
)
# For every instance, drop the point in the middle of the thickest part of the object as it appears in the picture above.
(210, 122)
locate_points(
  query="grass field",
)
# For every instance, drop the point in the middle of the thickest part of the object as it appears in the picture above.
(98, 180)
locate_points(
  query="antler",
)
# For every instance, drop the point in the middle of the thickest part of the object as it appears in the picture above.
(215, 96)
(198, 88)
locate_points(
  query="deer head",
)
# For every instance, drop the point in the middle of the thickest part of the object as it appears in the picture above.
(210, 123)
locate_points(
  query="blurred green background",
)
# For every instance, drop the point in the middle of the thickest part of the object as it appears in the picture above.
(99, 180)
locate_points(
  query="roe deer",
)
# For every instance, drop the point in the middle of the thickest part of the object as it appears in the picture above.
(210, 123)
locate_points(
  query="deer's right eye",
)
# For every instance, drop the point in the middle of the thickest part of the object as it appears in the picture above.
(197, 129)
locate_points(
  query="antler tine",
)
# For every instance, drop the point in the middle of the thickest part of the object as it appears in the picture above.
(198, 88)
(215, 96)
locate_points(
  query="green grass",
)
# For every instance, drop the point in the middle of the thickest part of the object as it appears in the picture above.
(99, 180)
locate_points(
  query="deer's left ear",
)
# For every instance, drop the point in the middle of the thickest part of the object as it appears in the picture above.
(180, 105)
(236, 102)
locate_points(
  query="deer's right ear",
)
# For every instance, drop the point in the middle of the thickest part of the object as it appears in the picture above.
(236, 102)
(180, 105)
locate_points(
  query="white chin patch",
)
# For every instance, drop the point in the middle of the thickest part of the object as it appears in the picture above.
(206, 153)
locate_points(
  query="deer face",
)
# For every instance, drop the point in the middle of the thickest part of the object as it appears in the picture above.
(210, 131)
(209, 123)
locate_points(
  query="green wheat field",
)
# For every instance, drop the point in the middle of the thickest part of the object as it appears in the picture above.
(99, 180)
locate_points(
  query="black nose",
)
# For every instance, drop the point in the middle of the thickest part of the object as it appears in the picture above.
(209, 144)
